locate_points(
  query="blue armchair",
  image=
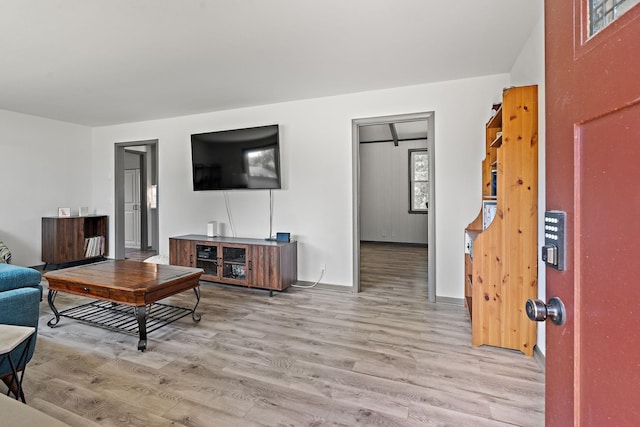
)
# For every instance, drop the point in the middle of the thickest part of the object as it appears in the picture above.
(20, 296)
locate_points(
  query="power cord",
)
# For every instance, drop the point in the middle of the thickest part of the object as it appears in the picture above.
(226, 203)
(310, 286)
(270, 215)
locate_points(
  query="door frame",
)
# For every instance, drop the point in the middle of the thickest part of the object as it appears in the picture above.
(152, 163)
(429, 117)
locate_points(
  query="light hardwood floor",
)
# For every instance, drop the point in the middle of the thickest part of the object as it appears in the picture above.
(137, 254)
(305, 357)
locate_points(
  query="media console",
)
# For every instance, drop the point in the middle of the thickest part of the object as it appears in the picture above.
(253, 263)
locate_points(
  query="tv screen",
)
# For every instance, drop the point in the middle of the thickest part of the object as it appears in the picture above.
(236, 159)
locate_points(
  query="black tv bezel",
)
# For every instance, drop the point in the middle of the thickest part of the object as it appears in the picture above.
(278, 169)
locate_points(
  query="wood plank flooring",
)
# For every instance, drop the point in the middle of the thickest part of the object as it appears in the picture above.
(305, 357)
(137, 254)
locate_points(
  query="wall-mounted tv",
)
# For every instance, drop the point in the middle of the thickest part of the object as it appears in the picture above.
(236, 159)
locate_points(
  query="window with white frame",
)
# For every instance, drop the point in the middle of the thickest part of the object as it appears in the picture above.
(418, 181)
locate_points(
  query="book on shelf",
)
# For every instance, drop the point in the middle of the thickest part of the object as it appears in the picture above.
(94, 246)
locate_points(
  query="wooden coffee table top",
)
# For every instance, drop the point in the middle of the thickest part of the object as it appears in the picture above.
(124, 281)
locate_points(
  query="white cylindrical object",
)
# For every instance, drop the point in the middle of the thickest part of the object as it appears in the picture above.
(212, 229)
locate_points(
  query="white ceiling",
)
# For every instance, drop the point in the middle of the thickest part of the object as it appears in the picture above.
(100, 62)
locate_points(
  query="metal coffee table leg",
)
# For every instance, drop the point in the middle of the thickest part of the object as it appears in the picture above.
(195, 316)
(51, 296)
(141, 317)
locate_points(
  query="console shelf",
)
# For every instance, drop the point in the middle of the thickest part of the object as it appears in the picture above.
(253, 263)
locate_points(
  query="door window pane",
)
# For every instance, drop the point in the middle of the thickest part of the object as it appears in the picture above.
(604, 12)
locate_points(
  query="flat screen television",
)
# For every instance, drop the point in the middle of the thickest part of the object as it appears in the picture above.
(236, 159)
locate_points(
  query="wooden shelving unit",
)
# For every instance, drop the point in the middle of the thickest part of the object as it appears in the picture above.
(76, 238)
(501, 259)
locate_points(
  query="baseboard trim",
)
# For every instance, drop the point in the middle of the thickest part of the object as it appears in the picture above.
(450, 300)
(539, 357)
(420, 245)
(325, 286)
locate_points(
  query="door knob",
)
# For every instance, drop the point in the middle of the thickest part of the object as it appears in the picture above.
(538, 311)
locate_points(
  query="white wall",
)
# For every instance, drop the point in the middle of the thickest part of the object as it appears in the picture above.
(315, 204)
(530, 69)
(384, 194)
(44, 164)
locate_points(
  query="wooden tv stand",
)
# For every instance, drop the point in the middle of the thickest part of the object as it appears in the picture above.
(254, 263)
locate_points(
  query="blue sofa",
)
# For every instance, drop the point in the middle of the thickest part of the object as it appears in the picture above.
(20, 296)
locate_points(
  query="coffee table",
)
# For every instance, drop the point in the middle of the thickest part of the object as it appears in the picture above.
(125, 295)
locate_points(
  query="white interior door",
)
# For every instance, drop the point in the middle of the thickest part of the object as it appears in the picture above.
(132, 208)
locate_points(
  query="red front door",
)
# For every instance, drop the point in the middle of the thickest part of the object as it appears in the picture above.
(593, 174)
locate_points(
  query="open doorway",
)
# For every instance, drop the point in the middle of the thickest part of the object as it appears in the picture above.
(135, 218)
(394, 194)
(136, 199)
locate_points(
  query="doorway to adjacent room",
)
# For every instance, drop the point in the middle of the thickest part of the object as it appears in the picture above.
(394, 191)
(136, 199)
(134, 183)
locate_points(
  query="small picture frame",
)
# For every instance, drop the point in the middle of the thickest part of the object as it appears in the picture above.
(64, 212)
